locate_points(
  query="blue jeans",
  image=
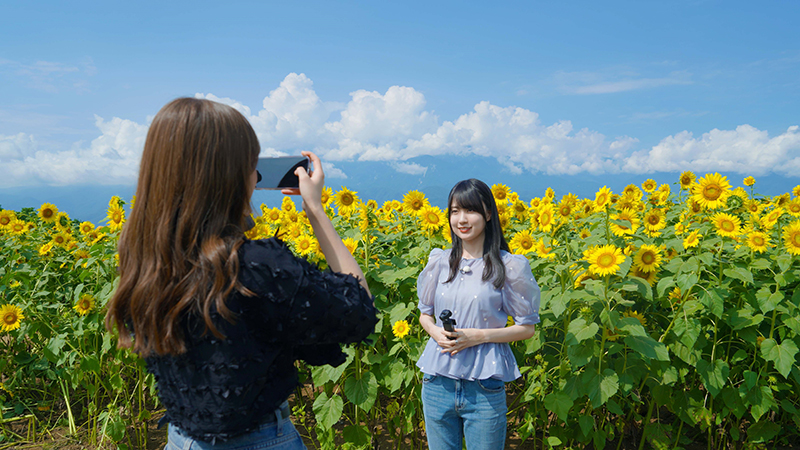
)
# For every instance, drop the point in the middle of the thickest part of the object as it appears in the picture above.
(275, 435)
(458, 409)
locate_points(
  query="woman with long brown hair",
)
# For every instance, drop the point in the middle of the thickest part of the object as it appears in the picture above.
(220, 319)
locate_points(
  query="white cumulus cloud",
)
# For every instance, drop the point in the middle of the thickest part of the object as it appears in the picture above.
(744, 150)
(395, 126)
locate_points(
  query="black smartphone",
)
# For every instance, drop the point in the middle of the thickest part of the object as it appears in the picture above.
(278, 172)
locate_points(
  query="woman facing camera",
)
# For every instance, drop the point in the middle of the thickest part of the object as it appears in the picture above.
(477, 284)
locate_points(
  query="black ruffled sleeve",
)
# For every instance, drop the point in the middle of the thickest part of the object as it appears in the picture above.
(299, 305)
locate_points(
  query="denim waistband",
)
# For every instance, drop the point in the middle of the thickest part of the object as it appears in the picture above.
(282, 412)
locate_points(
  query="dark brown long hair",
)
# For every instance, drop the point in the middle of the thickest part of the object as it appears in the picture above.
(178, 250)
(475, 195)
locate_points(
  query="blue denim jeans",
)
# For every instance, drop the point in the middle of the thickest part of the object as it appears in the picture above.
(460, 409)
(275, 435)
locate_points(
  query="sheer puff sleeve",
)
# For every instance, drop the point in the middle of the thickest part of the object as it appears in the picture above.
(429, 279)
(298, 304)
(521, 294)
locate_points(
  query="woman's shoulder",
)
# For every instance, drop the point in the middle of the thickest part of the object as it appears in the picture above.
(261, 252)
(513, 261)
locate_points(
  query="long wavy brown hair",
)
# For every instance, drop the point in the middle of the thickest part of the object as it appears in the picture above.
(178, 250)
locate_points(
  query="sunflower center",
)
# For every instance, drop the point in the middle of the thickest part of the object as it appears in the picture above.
(500, 195)
(648, 258)
(416, 204)
(758, 241)
(10, 318)
(5, 221)
(602, 199)
(433, 218)
(653, 220)
(47, 213)
(795, 239)
(117, 217)
(606, 260)
(712, 192)
(795, 208)
(727, 226)
(526, 244)
(347, 199)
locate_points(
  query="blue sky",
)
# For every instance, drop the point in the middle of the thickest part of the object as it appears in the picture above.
(410, 95)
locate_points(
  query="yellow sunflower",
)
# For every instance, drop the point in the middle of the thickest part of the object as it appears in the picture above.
(711, 191)
(327, 196)
(17, 227)
(602, 198)
(623, 229)
(749, 181)
(604, 260)
(546, 217)
(791, 237)
(650, 277)
(304, 244)
(63, 221)
(686, 179)
(6, 218)
(584, 233)
(500, 193)
(84, 305)
(550, 193)
(346, 201)
(692, 240)
(771, 218)
(522, 243)
(636, 315)
(632, 191)
(793, 207)
(48, 212)
(726, 224)
(415, 201)
(520, 209)
(10, 317)
(116, 217)
(61, 239)
(648, 258)
(583, 276)
(351, 245)
(287, 205)
(543, 250)
(432, 218)
(400, 329)
(86, 228)
(272, 215)
(654, 220)
(676, 295)
(754, 206)
(758, 241)
(46, 249)
(564, 210)
(796, 191)
(649, 185)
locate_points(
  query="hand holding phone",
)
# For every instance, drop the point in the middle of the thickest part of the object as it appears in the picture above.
(279, 172)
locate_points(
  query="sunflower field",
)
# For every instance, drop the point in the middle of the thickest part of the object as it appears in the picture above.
(670, 319)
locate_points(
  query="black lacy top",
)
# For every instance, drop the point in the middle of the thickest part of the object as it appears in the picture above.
(219, 389)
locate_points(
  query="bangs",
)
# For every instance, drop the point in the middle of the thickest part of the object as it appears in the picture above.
(467, 197)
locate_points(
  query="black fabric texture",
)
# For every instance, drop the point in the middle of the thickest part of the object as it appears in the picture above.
(222, 388)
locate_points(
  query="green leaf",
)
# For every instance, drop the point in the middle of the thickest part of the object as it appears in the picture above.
(784, 262)
(713, 302)
(687, 281)
(328, 410)
(90, 364)
(362, 391)
(783, 355)
(326, 373)
(648, 347)
(768, 300)
(558, 304)
(579, 331)
(400, 311)
(553, 441)
(761, 401)
(642, 286)
(356, 434)
(580, 354)
(763, 431)
(601, 387)
(714, 375)
(739, 273)
(559, 403)
(52, 351)
(664, 284)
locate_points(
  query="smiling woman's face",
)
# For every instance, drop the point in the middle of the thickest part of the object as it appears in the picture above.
(467, 224)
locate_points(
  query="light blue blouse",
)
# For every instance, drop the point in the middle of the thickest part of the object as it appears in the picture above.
(476, 304)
